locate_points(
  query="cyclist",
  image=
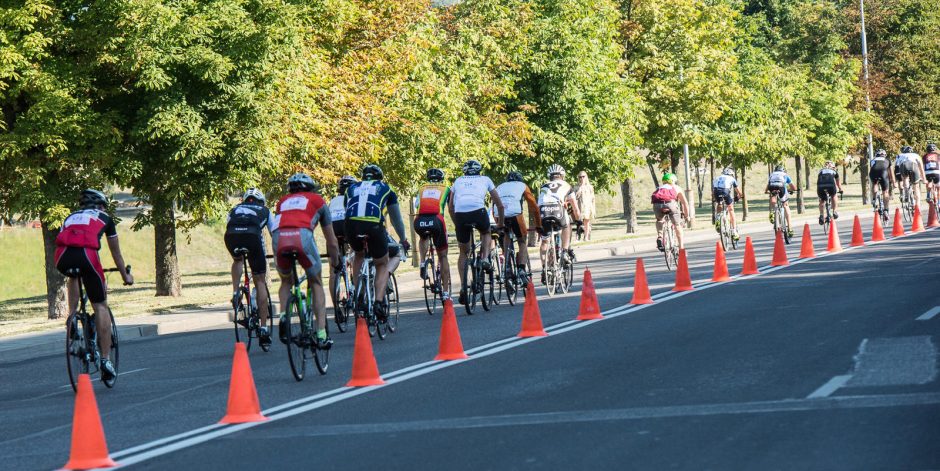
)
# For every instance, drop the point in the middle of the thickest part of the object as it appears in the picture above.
(77, 246)
(467, 206)
(555, 197)
(511, 193)
(367, 202)
(245, 229)
(297, 214)
(879, 173)
(725, 189)
(669, 200)
(827, 183)
(338, 216)
(932, 170)
(908, 168)
(779, 186)
(429, 224)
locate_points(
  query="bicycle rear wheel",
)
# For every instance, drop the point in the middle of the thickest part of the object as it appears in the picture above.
(321, 357)
(431, 286)
(510, 279)
(242, 318)
(76, 348)
(271, 311)
(391, 296)
(497, 275)
(341, 304)
(113, 354)
(671, 252)
(295, 338)
(725, 232)
(470, 278)
(486, 287)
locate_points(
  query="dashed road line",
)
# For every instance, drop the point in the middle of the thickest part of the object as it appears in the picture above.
(929, 314)
(830, 387)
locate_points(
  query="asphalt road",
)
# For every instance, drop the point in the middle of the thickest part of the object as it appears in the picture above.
(819, 365)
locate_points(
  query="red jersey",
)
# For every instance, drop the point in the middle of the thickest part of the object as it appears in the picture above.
(299, 210)
(84, 229)
(432, 198)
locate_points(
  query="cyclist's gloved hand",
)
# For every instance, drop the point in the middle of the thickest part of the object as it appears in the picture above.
(405, 246)
(128, 279)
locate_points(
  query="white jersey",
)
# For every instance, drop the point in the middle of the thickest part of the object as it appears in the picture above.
(555, 192)
(510, 193)
(338, 208)
(725, 182)
(906, 157)
(469, 192)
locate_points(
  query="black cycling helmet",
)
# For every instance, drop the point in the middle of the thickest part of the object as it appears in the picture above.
(345, 183)
(372, 172)
(907, 150)
(931, 147)
(513, 176)
(435, 175)
(300, 182)
(92, 197)
(472, 167)
(881, 153)
(779, 168)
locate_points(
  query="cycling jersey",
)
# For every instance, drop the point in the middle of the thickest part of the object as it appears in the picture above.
(932, 163)
(666, 193)
(301, 210)
(827, 177)
(431, 199)
(366, 201)
(512, 194)
(84, 229)
(725, 182)
(469, 192)
(338, 208)
(555, 192)
(779, 179)
(247, 218)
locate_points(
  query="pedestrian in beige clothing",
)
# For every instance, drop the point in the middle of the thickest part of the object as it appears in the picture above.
(585, 196)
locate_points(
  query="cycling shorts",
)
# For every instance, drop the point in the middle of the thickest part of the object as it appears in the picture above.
(780, 191)
(466, 222)
(255, 245)
(300, 241)
(823, 190)
(86, 261)
(433, 226)
(933, 178)
(516, 224)
(878, 173)
(374, 231)
(909, 169)
(394, 250)
(723, 195)
(670, 210)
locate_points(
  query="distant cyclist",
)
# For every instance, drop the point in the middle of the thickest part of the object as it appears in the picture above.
(366, 205)
(932, 170)
(77, 246)
(827, 183)
(511, 193)
(725, 189)
(779, 186)
(338, 216)
(467, 207)
(909, 170)
(556, 197)
(245, 230)
(669, 201)
(297, 214)
(879, 173)
(429, 224)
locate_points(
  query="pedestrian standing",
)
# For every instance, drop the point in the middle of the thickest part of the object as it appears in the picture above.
(585, 196)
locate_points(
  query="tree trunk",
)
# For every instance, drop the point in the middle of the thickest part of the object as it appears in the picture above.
(532, 238)
(674, 161)
(629, 205)
(56, 292)
(165, 261)
(862, 172)
(744, 208)
(845, 175)
(711, 180)
(699, 183)
(653, 173)
(414, 234)
(806, 171)
(799, 190)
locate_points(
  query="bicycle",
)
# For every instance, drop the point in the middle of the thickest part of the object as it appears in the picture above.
(299, 330)
(81, 337)
(246, 309)
(559, 270)
(908, 202)
(513, 278)
(496, 267)
(725, 232)
(475, 277)
(880, 208)
(433, 287)
(827, 212)
(670, 240)
(780, 218)
(364, 300)
(342, 302)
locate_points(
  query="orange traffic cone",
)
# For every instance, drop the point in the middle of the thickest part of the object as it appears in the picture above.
(932, 215)
(641, 290)
(89, 449)
(806, 247)
(835, 243)
(450, 346)
(531, 316)
(877, 232)
(898, 229)
(858, 239)
(683, 278)
(917, 225)
(243, 403)
(780, 252)
(750, 261)
(589, 309)
(721, 265)
(365, 372)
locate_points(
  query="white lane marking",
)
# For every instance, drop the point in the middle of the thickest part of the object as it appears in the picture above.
(830, 387)
(929, 314)
(414, 371)
(120, 373)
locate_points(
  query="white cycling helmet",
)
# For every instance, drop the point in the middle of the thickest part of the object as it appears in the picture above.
(555, 169)
(728, 171)
(254, 193)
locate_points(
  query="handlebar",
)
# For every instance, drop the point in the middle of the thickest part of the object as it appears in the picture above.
(127, 268)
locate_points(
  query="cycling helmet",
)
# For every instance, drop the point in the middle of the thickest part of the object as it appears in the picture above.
(300, 182)
(931, 147)
(728, 171)
(779, 168)
(435, 175)
(91, 197)
(472, 167)
(669, 177)
(555, 169)
(345, 183)
(830, 164)
(372, 172)
(881, 153)
(255, 194)
(907, 150)
(513, 176)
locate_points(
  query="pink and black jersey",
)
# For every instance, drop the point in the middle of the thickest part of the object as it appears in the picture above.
(84, 229)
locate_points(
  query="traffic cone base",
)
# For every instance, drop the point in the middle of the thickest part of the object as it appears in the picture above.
(721, 265)
(589, 308)
(877, 231)
(641, 290)
(683, 278)
(835, 243)
(531, 316)
(917, 225)
(450, 346)
(243, 405)
(750, 260)
(898, 229)
(365, 372)
(780, 252)
(89, 449)
(858, 239)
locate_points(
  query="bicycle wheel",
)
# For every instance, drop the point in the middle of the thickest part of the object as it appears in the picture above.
(341, 303)
(567, 275)
(784, 227)
(668, 244)
(242, 332)
(321, 357)
(826, 218)
(510, 279)
(295, 338)
(498, 276)
(471, 279)
(391, 296)
(76, 348)
(113, 354)
(724, 232)
(271, 311)
(431, 283)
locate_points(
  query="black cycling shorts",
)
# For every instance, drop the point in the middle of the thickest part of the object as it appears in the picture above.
(86, 261)
(723, 195)
(339, 230)
(466, 222)
(517, 225)
(933, 178)
(823, 190)
(878, 173)
(433, 226)
(378, 237)
(909, 169)
(255, 245)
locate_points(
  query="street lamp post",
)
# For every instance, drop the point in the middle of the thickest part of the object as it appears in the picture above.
(861, 8)
(689, 198)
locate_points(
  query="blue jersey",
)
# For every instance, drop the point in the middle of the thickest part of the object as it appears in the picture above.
(367, 200)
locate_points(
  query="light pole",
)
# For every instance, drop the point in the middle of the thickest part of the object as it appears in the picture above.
(689, 198)
(861, 8)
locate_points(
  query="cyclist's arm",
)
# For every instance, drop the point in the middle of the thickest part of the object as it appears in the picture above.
(533, 206)
(498, 204)
(575, 210)
(683, 204)
(115, 248)
(394, 213)
(450, 203)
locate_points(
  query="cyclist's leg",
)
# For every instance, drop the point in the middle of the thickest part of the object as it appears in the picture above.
(659, 221)
(97, 290)
(786, 213)
(676, 216)
(440, 244)
(482, 221)
(283, 265)
(382, 269)
(445, 268)
(313, 267)
(835, 201)
(236, 273)
(821, 193)
(463, 234)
